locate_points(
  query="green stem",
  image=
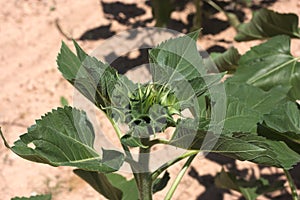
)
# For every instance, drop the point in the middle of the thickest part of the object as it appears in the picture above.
(292, 185)
(165, 166)
(129, 159)
(197, 20)
(179, 177)
(143, 177)
(157, 141)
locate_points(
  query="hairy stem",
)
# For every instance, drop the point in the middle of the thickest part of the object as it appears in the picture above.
(143, 177)
(129, 158)
(295, 195)
(179, 177)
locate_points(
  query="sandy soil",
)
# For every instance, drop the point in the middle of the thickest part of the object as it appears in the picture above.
(31, 85)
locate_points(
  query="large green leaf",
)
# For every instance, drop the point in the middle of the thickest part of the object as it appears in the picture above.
(178, 59)
(94, 79)
(103, 183)
(128, 188)
(177, 65)
(283, 123)
(250, 189)
(227, 61)
(178, 55)
(246, 106)
(112, 186)
(65, 137)
(242, 146)
(267, 23)
(37, 197)
(269, 65)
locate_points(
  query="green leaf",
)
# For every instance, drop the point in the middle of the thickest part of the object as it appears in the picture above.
(267, 23)
(177, 65)
(37, 197)
(246, 106)
(160, 183)
(100, 183)
(240, 146)
(131, 141)
(94, 79)
(283, 123)
(128, 188)
(112, 186)
(250, 189)
(65, 137)
(176, 59)
(269, 65)
(188, 136)
(227, 61)
(68, 63)
(275, 152)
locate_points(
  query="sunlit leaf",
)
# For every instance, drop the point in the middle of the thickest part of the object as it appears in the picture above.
(241, 146)
(246, 106)
(65, 137)
(94, 79)
(269, 65)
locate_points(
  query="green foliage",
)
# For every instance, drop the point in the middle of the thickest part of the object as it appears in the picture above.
(112, 186)
(227, 61)
(65, 137)
(241, 146)
(267, 23)
(94, 79)
(283, 124)
(246, 106)
(270, 65)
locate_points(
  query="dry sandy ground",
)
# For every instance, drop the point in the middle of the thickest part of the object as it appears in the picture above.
(31, 86)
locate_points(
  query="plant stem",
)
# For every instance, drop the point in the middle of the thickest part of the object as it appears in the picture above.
(197, 20)
(292, 185)
(165, 166)
(179, 177)
(143, 177)
(157, 141)
(133, 165)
